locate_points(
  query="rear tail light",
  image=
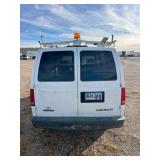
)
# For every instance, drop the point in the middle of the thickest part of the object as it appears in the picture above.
(123, 96)
(32, 100)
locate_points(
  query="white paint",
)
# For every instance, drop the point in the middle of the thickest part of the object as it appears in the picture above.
(64, 97)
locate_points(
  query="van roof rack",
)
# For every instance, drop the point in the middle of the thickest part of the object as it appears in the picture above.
(78, 42)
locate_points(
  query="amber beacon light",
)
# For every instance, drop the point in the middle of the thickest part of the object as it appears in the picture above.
(77, 36)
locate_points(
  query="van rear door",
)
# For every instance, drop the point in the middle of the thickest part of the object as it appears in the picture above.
(99, 91)
(56, 83)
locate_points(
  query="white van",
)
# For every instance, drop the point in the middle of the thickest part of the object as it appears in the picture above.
(76, 87)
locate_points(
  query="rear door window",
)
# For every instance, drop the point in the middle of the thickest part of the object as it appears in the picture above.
(97, 66)
(56, 66)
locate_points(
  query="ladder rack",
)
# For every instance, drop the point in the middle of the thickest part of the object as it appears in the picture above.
(78, 42)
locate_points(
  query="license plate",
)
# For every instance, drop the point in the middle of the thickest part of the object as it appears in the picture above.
(92, 97)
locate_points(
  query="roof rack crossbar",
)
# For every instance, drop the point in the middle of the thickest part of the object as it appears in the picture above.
(77, 42)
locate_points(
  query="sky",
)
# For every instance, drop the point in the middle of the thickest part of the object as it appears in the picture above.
(59, 22)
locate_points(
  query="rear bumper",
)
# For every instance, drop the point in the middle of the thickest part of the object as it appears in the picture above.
(78, 122)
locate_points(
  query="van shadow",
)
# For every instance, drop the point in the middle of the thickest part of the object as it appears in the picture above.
(69, 142)
(45, 142)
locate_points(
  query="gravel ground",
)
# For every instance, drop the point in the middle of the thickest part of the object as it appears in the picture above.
(114, 142)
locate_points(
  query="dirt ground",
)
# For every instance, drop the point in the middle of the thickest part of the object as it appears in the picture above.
(117, 141)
